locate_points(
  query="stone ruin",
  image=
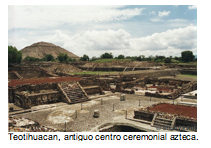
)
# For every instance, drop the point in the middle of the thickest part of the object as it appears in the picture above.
(168, 120)
(28, 94)
(17, 124)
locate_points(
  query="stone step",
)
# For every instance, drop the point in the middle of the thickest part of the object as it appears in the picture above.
(76, 94)
(163, 119)
(78, 98)
(78, 101)
(163, 122)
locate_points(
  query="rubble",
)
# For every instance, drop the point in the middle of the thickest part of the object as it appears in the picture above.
(26, 125)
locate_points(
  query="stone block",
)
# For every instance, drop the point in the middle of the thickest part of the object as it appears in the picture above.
(96, 114)
(122, 97)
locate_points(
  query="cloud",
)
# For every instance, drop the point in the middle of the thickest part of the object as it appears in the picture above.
(164, 13)
(192, 7)
(181, 38)
(152, 13)
(53, 16)
(156, 20)
(177, 20)
(94, 43)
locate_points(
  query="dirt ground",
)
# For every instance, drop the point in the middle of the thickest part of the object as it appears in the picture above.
(16, 82)
(110, 108)
(176, 109)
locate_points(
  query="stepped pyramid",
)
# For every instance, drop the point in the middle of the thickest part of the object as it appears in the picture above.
(40, 49)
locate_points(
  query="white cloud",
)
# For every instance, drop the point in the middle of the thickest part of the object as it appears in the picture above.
(52, 16)
(192, 7)
(164, 13)
(172, 20)
(177, 20)
(152, 13)
(94, 43)
(156, 20)
(182, 38)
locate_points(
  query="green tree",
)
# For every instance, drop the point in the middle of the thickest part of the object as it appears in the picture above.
(139, 58)
(28, 58)
(48, 57)
(14, 56)
(143, 57)
(159, 58)
(69, 59)
(62, 57)
(121, 56)
(85, 58)
(106, 56)
(187, 56)
(167, 60)
(150, 58)
(94, 58)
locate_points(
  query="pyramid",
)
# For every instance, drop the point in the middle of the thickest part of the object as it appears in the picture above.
(40, 49)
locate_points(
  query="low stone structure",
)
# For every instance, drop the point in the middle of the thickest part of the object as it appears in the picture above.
(51, 90)
(29, 72)
(174, 116)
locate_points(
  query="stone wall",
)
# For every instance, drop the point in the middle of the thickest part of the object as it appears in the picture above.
(36, 88)
(187, 86)
(104, 84)
(30, 71)
(143, 115)
(93, 90)
(12, 76)
(191, 86)
(27, 101)
(158, 95)
(190, 72)
(186, 122)
(159, 73)
(31, 89)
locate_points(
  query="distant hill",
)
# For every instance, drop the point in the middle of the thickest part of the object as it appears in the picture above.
(40, 49)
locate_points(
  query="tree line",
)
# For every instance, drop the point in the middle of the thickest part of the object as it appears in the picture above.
(15, 56)
(186, 56)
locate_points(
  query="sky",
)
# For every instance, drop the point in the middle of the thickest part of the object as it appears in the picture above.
(131, 30)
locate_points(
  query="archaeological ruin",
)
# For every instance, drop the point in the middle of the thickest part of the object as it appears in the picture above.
(60, 99)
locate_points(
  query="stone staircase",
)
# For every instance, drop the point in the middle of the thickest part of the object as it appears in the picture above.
(73, 92)
(47, 72)
(134, 67)
(124, 69)
(20, 77)
(94, 67)
(163, 122)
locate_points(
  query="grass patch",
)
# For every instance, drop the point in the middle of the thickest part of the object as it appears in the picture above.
(186, 75)
(190, 63)
(95, 72)
(111, 60)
